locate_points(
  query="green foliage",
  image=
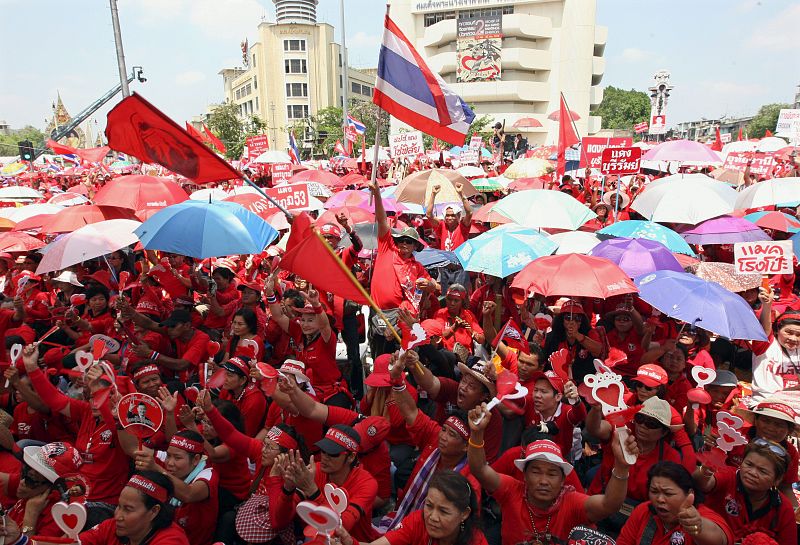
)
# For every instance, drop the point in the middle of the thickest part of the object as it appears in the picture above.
(765, 119)
(226, 123)
(8, 142)
(326, 126)
(622, 109)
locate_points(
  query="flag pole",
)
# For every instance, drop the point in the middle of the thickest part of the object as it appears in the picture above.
(270, 199)
(575, 128)
(358, 285)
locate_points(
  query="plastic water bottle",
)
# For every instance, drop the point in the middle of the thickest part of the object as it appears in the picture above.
(417, 297)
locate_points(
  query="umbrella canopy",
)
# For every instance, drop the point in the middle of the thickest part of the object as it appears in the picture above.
(723, 230)
(648, 230)
(471, 171)
(528, 122)
(209, 193)
(273, 156)
(487, 184)
(354, 215)
(573, 275)
(415, 187)
(769, 192)
(15, 241)
(682, 150)
(75, 217)
(88, 242)
(521, 184)
(67, 199)
(688, 200)
(637, 256)
(770, 143)
(203, 230)
(503, 250)
(242, 190)
(432, 257)
(17, 192)
(140, 192)
(323, 177)
(701, 303)
(6, 224)
(256, 204)
(528, 167)
(575, 242)
(487, 213)
(33, 223)
(725, 275)
(541, 208)
(348, 197)
(25, 212)
(733, 177)
(777, 221)
(556, 115)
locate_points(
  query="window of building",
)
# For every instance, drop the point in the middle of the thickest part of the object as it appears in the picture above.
(297, 111)
(364, 90)
(255, 82)
(296, 89)
(294, 45)
(485, 12)
(257, 108)
(254, 61)
(295, 66)
(433, 18)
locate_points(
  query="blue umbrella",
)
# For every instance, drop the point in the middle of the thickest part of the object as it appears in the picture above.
(637, 256)
(649, 230)
(431, 257)
(700, 303)
(206, 229)
(504, 250)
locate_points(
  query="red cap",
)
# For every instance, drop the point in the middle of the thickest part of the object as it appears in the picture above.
(572, 307)
(651, 375)
(24, 331)
(237, 365)
(373, 431)
(255, 286)
(331, 229)
(432, 328)
(555, 381)
(103, 277)
(380, 372)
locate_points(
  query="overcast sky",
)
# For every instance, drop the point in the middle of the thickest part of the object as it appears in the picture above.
(727, 57)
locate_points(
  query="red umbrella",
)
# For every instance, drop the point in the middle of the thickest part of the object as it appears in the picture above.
(320, 176)
(140, 192)
(354, 178)
(556, 116)
(526, 123)
(13, 241)
(573, 275)
(521, 184)
(80, 189)
(75, 217)
(778, 221)
(33, 223)
(542, 152)
(485, 213)
(354, 215)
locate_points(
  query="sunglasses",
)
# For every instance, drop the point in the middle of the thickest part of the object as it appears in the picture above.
(645, 387)
(648, 422)
(406, 240)
(773, 447)
(30, 481)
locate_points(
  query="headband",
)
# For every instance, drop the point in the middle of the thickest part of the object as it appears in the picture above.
(342, 439)
(458, 425)
(282, 438)
(184, 443)
(143, 484)
(145, 371)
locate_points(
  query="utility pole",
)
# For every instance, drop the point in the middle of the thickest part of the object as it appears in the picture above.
(345, 81)
(123, 71)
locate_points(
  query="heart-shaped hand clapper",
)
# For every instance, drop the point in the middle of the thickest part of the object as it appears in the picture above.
(15, 353)
(733, 421)
(337, 498)
(703, 375)
(83, 360)
(69, 517)
(250, 348)
(323, 519)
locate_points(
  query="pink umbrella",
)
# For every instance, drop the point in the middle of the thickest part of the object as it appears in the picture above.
(486, 213)
(348, 197)
(556, 116)
(354, 215)
(682, 150)
(526, 123)
(321, 176)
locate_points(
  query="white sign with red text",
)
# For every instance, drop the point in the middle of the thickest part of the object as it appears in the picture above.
(406, 144)
(281, 172)
(621, 161)
(764, 257)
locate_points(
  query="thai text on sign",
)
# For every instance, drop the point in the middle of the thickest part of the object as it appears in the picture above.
(765, 257)
(291, 197)
(593, 146)
(406, 144)
(761, 163)
(281, 172)
(256, 145)
(621, 160)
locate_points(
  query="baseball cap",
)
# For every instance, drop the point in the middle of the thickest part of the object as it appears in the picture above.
(651, 375)
(546, 450)
(380, 372)
(659, 409)
(177, 317)
(373, 430)
(238, 364)
(338, 439)
(555, 381)
(331, 229)
(432, 327)
(53, 460)
(725, 378)
(570, 306)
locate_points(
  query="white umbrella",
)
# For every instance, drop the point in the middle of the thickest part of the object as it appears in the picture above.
(213, 193)
(24, 212)
(313, 204)
(67, 199)
(471, 171)
(685, 199)
(273, 156)
(15, 192)
(243, 190)
(383, 155)
(771, 143)
(88, 242)
(542, 208)
(769, 192)
(575, 242)
(740, 146)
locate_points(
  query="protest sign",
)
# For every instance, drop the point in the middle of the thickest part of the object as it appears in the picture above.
(788, 124)
(621, 161)
(761, 163)
(763, 257)
(281, 172)
(406, 144)
(593, 146)
(256, 145)
(641, 127)
(476, 143)
(468, 157)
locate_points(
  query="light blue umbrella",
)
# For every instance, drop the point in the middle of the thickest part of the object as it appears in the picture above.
(649, 230)
(203, 229)
(700, 303)
(504, 250)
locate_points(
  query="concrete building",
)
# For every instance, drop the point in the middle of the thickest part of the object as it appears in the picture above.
(293, 71)
(705, 130)
(544, 47)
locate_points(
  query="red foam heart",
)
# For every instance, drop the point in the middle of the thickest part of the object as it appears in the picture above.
(621, 418)
(615, 356)
(702, 374)
(217, 379)
(726, 418)
(319, 519)
(715, 458)
(610, 395)
(191, 394)
(70, 520)
(99, 349)
(698, 395)
(124, 278)
(212, 348)
(248, 351)
(506, 383)
(542, 324)
(562, 363)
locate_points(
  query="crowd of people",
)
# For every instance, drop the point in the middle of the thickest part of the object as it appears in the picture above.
(261, 410)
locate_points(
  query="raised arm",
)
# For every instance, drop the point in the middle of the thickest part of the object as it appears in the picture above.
(380, 212)
(307, 406)
(275, 309)
(476, 456)
(467, 218)
(405, 402)
(323, 322)
(601, 506)
(430, 204)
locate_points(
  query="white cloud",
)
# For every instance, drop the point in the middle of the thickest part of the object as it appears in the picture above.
(732, 90)
(634, 54)
(778, 33)
(362, 39)
(190, 77)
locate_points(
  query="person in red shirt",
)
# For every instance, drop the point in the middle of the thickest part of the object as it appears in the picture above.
(448, 515)
(748, 498)
(96, 319)
(572, 330)
(459, 325)
(674, 363)
(673, 513)
(221, 302)
(454, 230)
(555, 401)
(540, 507)
(244, 394)
(627, 334)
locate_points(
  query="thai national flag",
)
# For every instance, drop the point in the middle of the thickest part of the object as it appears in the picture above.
(408, 90)
(294, 153)
(357, 125)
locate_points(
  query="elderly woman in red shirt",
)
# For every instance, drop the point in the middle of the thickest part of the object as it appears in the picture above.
(459, 324)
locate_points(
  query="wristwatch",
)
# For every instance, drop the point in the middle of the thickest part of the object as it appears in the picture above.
(25, 530)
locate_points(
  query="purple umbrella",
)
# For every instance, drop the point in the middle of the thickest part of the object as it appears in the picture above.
(682, 150)
(348, 197)
(637, 256)
(389, 204)
(723, 230)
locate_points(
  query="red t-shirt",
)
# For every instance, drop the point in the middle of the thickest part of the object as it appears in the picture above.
(566, 418)
(6, 322)
(105, 533)
(310, 431)
(516, 526)
(637, 482)
(194, 351)
(450, 240)
(411, 531)
(252, 405)
(198, 519)
(228, 300)
(632, 346)
(461, 334)
(102, 324)
(505, 465)
(728, 498)
(319, 357)
(676, 393)
(394, 276)
(632, 532)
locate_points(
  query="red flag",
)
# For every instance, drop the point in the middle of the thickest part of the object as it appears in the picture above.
(739, 139)
(197, 134)
(717, 145)
(512, 336)
(435, 144)
(312, 261)
(214, 140)
(61, 149)
(138, 128)
(566, 136)
(767, 133)
(339, 148)
(92, 155)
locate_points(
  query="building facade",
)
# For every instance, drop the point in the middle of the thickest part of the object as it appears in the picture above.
(510, 59)
(293, 71)
(705, 130)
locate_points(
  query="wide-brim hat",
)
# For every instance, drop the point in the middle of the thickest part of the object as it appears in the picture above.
(409, 232)
(624, 200)
(68, 277)
(772, 408)
(477, 372)
(545, 450)
(296, 368)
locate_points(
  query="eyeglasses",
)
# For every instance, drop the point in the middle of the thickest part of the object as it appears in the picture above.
(648, 422)
(775, 448)
(572, 318)
(406, 240)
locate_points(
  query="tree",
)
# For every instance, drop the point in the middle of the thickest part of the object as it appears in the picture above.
(622, 109)
(326, 126)
(8, 142)
(765, 119)
(229, 126)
